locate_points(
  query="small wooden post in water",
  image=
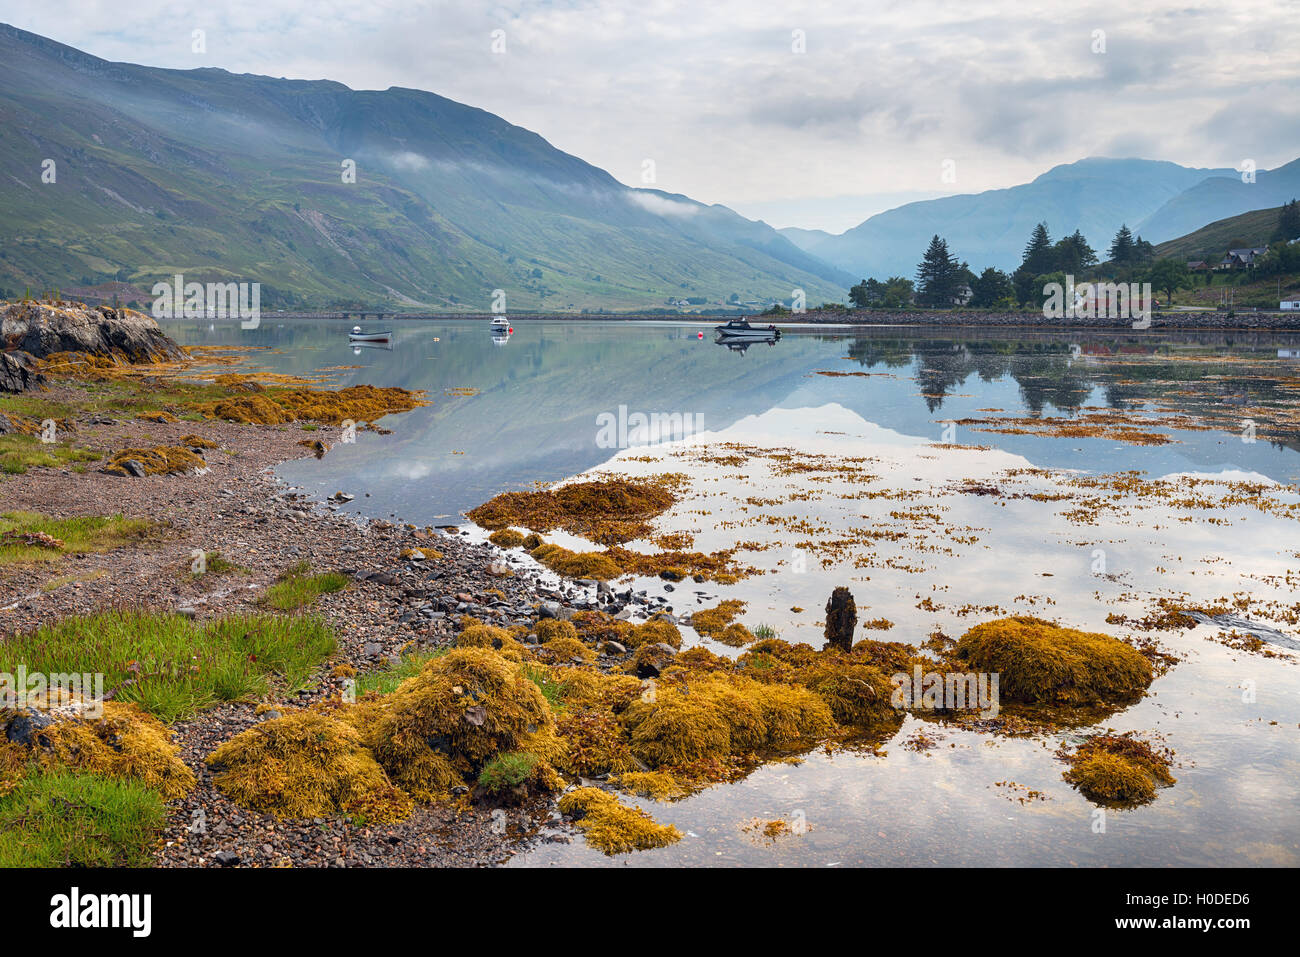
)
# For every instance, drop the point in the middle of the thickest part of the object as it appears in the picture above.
(841, 619)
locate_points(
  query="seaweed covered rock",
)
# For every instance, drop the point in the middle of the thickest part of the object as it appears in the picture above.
(120, 742)
(303, 765)
(1119, 770)
(438, 729)
(478, 635)
(1040, 662)
(565, 651)
(612, 827)
(594, 743)
(162, 460)
(715, 715)
(857, 694)
(597, 627)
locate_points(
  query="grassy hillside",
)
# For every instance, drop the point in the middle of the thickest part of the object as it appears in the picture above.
(1209, 243)
(225, 177)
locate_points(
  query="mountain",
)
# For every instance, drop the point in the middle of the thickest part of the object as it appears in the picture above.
(240, 178)
(1209, 243)
(1095, 195)
(1220, 197)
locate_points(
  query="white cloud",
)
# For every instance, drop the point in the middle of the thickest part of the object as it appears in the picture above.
(715, 95)
(660, 205)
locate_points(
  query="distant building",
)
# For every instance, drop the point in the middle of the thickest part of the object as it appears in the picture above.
(1242, 258)
(1290, 304)
(1199, 265)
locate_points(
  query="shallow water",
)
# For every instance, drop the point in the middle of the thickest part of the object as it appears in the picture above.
(886, 451)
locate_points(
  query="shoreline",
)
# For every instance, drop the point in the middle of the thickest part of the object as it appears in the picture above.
(1209, 321)
(390, 607)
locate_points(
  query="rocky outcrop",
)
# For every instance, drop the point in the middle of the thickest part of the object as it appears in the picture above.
(18, 372)
(41, 329)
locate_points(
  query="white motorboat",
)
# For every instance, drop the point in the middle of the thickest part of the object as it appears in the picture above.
(741, 329)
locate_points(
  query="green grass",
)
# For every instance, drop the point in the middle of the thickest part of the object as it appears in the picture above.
(386, 681)
(62, 819)
(172, 666)
(552, 690)
(297, 588)
(80, 535)
(763, 632)
(507, 770)
(18, 453)
(214, 564)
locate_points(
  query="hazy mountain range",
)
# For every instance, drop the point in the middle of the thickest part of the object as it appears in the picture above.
(1158, 200)
(241, 177)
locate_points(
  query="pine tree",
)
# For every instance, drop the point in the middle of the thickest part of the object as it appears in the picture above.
(1121, 247)
(1038, 252)
(938, 275)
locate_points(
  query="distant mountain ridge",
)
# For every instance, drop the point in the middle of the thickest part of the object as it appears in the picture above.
(224, 176)
(1094, 195)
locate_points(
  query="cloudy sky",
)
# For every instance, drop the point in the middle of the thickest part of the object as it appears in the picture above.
(814, 114)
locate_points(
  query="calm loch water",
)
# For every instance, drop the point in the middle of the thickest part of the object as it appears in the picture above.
(865, 458)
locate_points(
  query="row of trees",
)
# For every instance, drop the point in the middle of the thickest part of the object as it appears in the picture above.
(943, 280)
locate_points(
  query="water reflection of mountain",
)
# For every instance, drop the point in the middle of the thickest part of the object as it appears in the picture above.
(534, 417)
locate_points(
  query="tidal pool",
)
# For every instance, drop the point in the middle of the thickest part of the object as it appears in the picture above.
(946, 478)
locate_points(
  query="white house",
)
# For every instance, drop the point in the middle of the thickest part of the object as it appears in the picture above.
(1289, 304)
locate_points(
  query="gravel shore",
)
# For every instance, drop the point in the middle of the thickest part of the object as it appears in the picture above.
(393, 605)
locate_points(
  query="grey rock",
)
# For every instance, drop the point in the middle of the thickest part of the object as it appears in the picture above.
(25, 724)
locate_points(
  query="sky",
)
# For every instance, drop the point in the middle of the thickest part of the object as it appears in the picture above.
(814, 114)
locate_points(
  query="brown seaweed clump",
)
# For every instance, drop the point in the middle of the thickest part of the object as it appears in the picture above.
(549, 629)
(1119, 770)
(161, 460)
(614, 828)
(711, 622)
(123, 742)
(1040, 662)
(656, 631)
(508, 538)
(359, 403)
(197, 442)
(478, 635)
(304, 765)
(608, 511)
(572, 564)
(438, 729)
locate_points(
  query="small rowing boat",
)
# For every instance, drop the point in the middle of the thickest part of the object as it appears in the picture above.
(356, 335)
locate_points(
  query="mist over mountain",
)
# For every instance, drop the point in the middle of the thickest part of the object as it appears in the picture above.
(242, 177)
